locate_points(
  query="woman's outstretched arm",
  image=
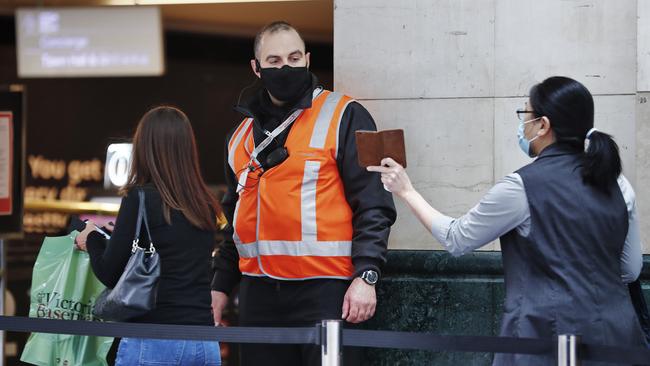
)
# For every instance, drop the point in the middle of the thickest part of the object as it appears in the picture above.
(503, 208)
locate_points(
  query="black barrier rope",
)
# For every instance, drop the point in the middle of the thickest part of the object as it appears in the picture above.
(436, 343)
(163, 331)
(351, 337)
(432, 342)
(592, 352)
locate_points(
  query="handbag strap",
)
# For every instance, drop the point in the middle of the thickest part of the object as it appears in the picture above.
(142, 216)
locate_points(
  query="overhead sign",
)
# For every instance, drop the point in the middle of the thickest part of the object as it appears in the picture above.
(98, 41)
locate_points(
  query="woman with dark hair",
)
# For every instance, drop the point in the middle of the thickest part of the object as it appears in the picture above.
(182, 215)
(567, 225)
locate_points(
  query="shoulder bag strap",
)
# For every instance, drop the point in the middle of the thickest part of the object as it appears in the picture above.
(142, 216)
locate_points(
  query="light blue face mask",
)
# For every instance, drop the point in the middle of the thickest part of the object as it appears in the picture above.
(524, 143)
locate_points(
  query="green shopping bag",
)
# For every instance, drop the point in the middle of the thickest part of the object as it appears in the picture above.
(64, 287)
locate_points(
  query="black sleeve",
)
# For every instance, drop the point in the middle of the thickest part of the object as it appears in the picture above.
(372, 206)
(226, 263)
(108, 259)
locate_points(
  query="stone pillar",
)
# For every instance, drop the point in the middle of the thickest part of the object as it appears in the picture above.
(452, 74)
(643, 121)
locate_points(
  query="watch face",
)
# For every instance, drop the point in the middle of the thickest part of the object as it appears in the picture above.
(371, 276)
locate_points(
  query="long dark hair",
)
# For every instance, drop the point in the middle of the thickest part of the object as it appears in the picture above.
(570, 108)
(165, 154)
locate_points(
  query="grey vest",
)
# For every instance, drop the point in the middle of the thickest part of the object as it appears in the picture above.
(565, 277)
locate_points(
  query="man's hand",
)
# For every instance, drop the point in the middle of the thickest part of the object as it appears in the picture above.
(219, 302)
(359, 302)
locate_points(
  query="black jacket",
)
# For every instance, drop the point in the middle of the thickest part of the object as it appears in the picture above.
(372, 206)
(184, 284)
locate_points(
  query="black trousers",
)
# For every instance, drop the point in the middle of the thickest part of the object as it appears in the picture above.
(265, 302)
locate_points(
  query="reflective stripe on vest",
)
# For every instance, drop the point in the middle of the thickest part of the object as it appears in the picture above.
(295, 222)
(236, 139)
(296, 248)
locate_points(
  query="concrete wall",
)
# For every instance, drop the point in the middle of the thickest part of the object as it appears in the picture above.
(643, 119)
(453, 72)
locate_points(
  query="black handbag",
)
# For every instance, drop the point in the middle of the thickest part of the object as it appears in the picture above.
(135, 292)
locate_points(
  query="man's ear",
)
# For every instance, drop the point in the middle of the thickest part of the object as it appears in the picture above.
(308, 58)
(255, 65)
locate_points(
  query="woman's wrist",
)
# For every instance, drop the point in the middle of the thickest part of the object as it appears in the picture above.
(408, 194)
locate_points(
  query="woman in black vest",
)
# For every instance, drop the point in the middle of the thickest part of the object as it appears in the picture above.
(567, 225)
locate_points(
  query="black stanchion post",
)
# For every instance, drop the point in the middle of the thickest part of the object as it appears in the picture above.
(567, 350)
(331, 350)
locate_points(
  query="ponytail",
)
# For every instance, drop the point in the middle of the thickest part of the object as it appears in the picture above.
(570, 108)
(602, 163)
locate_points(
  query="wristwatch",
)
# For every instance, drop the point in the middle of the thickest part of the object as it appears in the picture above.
(371, 277)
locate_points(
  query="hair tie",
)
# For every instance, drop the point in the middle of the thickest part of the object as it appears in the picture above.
(590, 132)
(588, 137)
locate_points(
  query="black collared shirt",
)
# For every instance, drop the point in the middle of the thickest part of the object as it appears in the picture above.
(372, 206)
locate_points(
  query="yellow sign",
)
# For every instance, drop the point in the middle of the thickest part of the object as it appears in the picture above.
(39, 198)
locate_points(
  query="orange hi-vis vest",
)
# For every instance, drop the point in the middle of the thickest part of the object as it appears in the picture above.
(293, 221)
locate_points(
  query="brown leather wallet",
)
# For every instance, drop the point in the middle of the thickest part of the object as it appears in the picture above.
(373, 146)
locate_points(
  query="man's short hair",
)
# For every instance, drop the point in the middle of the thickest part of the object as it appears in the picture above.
(271, 28)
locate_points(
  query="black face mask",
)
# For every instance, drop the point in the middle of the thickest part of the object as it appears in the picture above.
(286, 84)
